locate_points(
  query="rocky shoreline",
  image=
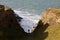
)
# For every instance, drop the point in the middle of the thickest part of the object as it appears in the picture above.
(10, 29)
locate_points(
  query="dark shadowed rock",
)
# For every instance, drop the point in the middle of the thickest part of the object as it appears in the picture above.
(9, 27)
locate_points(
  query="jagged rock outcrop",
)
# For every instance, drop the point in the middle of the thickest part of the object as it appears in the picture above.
(51, 16)
(7, 17)
(9, 26)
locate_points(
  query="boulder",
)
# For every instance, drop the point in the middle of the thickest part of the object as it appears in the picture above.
(51, 16)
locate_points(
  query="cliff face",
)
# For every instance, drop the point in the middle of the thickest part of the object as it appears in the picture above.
(51, 16)
(11, 30)
(7, 17)
(9, 26)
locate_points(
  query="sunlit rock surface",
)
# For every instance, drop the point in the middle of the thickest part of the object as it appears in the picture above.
(51, 16)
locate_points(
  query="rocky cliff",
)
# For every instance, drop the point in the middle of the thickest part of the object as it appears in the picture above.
(51, 16)
(11, 30)
(7, 17)
(9, 27)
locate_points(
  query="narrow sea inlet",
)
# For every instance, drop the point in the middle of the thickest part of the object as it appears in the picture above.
(33, 27)
(28, 22)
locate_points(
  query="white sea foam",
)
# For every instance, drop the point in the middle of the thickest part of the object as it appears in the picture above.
(29, 21)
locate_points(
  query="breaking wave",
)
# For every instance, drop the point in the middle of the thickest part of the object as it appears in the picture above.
(29, 21)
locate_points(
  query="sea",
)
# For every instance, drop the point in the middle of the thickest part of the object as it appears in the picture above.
(31, 6)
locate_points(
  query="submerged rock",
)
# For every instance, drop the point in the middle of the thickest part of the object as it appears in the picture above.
(51, 16)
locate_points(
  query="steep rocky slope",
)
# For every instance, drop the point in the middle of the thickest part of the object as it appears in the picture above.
(9, 27)
(52, 17)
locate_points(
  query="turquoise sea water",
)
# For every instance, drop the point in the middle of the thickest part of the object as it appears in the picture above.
(35, 6)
